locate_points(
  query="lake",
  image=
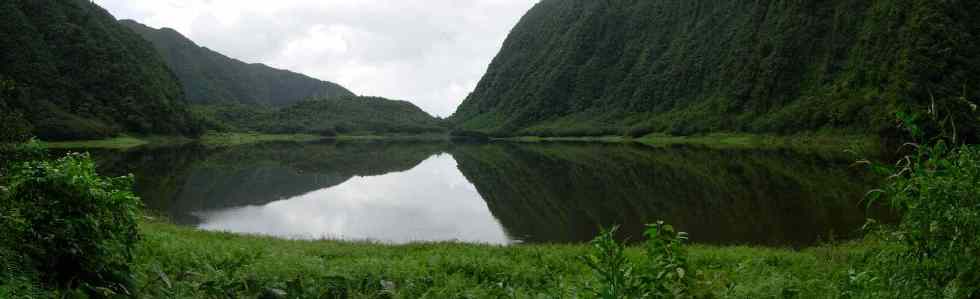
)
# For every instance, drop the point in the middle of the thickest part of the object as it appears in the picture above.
(499, 193)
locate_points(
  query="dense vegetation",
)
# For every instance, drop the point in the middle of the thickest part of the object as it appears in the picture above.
(71, 72)
(209, 77)
(65, 228)
(581, 67)
(323, 116)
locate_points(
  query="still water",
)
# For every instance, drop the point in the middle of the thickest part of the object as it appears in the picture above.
(499, 193)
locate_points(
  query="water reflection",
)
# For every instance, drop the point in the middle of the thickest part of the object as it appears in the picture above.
(564, 192)
(431, 202)
(499, 193)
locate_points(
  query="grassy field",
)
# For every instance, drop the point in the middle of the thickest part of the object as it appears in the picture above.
(183, 263)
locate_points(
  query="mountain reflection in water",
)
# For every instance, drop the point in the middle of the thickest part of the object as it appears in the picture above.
(499, 193)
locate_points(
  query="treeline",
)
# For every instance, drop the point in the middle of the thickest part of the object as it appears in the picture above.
(71, 72)
(208, 77)
(325, 116)
(579, 67)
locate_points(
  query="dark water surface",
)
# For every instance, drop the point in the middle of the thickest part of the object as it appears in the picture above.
(499, 193)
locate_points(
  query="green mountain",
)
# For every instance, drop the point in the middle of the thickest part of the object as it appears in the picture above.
(586, 67)
(72, 72)
(328, 116)
(209, 77)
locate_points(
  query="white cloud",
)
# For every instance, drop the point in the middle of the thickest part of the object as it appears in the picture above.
(429, 52)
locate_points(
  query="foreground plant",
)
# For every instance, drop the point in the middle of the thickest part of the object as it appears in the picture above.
(76, 229)
(666, 272)
(936, 189)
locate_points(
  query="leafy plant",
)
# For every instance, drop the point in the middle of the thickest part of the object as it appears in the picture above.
(76, 228)
(936, 189)
(670, 274)
(613, 270)
(666, 273)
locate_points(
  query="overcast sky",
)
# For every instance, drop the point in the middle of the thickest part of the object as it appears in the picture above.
(429, 52)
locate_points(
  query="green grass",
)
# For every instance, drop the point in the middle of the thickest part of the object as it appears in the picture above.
(815, 142)
(223, 139)
(185, 263)
(230, 139)
(416, 137)
(123, 142)
(531, 139)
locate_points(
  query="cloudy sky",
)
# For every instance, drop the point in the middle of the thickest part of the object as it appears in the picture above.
(430, 52)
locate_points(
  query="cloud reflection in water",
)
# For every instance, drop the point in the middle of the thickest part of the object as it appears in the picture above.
(432, 202)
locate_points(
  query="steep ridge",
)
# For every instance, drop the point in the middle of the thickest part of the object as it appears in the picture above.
(73, 72)
(209, 77)
(584, 67)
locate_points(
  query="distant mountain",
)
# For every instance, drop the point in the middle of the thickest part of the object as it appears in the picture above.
(73, 72)
(586, 67)
(209, 77)
(344, 115)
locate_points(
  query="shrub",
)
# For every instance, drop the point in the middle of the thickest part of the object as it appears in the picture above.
(936, 189)
(10, 153)
(937, 192)
(613, 270)
(76, 228)
(665, 273)
(669, 273)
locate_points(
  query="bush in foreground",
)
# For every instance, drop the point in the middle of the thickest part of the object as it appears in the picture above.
(75, 229)
(665, 273)
(937, 252)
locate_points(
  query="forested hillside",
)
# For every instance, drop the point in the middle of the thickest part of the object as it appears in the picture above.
(72, 72)
(325, 116)
(585, 67)
(210, 77)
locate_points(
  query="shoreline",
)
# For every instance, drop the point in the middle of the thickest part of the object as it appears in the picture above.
(808, 142)
(525, 270)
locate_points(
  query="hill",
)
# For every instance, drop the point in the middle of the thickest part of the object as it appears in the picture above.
(70, 71)
(209, 77)
(326, 116)
(583, 67)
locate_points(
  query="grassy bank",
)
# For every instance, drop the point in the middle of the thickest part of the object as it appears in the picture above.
(231, 139)
(222, 139)
(817, 142)
(211, 139)
(813, 141)
(184, 263)
(113, 143)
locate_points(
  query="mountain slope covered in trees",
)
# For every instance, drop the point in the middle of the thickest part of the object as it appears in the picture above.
(583, 67)
(209, 77)
(326, 116)
(72, 72)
